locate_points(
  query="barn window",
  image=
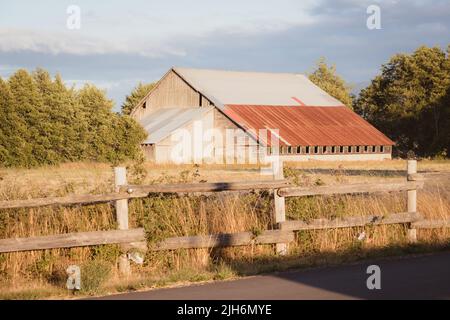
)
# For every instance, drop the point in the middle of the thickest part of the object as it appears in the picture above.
(281, 149)
(381, 149)
(299, 149)
(307, 149)
(316, 149)
(358, 149)
(333, 149)
(289, 149)
(341, 149)
(366, 148)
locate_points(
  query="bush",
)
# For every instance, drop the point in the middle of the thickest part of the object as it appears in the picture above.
(94, 274)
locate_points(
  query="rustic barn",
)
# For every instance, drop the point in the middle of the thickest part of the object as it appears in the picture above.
(302, 119)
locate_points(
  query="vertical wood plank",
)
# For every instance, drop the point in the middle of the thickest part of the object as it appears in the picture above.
(412, 200)
(279, 204)
(120, 179)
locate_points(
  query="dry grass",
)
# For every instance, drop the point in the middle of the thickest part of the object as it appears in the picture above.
(42, 273)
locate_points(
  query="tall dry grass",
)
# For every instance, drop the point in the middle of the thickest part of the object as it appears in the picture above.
(42, 273)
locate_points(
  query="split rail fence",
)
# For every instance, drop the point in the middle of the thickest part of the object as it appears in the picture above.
(281, 235)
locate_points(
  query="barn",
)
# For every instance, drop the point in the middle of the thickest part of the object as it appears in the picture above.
(199, 115)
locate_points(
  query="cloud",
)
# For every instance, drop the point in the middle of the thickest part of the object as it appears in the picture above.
(250, 40)
(16, 40)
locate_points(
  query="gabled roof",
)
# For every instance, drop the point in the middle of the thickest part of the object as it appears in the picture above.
(303, 113)
(161, 123)
(256, 88)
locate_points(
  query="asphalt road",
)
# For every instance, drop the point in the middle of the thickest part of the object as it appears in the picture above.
(418, 277)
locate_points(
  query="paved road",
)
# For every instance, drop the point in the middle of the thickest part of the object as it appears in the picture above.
(420, 277)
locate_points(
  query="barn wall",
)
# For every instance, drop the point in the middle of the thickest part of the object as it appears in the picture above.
(171, 91)
(171, 145)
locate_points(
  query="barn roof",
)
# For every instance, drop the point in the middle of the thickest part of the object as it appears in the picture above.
(161, 123)
(308, 126)
(256, 88)
(303, 113)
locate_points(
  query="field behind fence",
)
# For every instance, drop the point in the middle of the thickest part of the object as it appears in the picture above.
(274, 226)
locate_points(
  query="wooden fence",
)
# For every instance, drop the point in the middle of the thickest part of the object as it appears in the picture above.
(281, 235)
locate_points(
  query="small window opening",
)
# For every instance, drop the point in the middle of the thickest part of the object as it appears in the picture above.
(299, 149)
(144, 105)
(307, 149)
(316, 149)
(358, 149)
(289, 149)
(333, 149)
(341, 149)
(381, 148)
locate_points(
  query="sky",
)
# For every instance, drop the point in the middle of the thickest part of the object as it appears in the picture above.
(121, 43)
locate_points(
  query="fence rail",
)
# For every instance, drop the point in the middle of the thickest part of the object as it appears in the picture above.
(281, 236)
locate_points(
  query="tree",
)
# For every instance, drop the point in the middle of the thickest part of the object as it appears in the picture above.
(28, 106)
(327, 79)
(44, 122)
(112, 137)
(138, 93)
(11, 129)
(408, 101)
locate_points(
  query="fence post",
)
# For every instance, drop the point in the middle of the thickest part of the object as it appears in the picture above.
(412, 200)
(279, 204)
(120, 179)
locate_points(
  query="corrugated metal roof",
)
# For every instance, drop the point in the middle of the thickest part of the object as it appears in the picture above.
(161, 123)
(309, 126)
(256, 88)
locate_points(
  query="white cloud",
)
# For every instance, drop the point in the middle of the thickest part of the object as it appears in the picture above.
(14, 40)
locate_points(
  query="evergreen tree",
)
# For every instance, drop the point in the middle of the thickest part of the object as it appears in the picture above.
(138, 93)
(328, 80)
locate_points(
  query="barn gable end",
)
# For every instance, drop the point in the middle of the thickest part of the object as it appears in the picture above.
(170, 91)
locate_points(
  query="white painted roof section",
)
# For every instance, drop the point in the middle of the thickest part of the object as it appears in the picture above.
(161, 123)
(256, 88)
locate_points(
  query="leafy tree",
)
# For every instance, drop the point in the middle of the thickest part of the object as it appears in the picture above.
(11, 129)
(409, 101)
(44, 122)
(28, 106)
(326, 78)
(138, 93)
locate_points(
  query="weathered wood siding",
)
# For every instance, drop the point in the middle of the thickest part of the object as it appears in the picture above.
(171, 91)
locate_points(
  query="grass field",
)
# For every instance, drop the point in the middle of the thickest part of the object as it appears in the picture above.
(42, 274)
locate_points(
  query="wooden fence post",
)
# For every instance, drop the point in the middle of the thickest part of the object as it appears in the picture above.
(280, 205)
(412, 199)
(120, 179)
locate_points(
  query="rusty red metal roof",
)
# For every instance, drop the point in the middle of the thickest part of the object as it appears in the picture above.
(308, 125)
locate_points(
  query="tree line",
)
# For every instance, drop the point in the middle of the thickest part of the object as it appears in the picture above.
(44, 122)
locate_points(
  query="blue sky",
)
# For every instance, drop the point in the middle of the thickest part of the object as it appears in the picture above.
(123, 42)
